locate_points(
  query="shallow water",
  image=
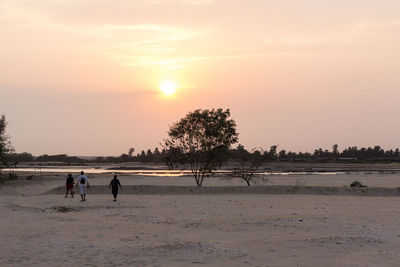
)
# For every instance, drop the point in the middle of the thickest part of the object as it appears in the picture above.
(99, 171)
(161, 173)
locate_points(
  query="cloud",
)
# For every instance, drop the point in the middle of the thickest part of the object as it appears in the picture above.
(174, 61)
(141, 42)
(127, 42)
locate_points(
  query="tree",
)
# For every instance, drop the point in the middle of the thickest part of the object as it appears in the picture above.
(157, 155)
(149, 156)
(5, 145)
(124, 158)
(130, 152)
(204, 137)
(282, 154)
(240, 153)
(335, 150)
(271, 155)
(172, 156)
(142, 156)
(249, 167)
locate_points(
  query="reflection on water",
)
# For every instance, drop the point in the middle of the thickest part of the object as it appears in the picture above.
(101, 171)
(160, 173)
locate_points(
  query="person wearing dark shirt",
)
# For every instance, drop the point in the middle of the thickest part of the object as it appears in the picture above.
(70, 186)
(114, 187)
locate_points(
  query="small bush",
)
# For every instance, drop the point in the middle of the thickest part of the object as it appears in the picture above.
(357, 184)
(7, 177)
(12, 176)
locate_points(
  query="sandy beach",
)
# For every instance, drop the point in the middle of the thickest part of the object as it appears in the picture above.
(39, 227)
(163, 93)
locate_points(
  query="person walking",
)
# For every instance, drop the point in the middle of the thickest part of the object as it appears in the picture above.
(70, 186)
(83, 184)
(114, 187)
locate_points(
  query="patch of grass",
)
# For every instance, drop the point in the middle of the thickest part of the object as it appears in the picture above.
(357, 184)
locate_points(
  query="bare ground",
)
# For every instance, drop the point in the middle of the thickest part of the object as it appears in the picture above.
(40, 229)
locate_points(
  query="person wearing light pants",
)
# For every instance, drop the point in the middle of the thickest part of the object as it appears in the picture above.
(83, 184)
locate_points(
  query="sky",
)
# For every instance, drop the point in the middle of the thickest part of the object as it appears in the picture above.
(82, 77)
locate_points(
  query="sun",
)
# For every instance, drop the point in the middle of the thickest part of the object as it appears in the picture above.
(168, 87)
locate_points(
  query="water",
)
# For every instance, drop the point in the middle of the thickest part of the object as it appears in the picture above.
(161, 173)
(305, 178)
(100, 171)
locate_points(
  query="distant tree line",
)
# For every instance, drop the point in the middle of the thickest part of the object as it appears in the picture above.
(215, 125)
(203, 142)
(350, 154)
(63, 158)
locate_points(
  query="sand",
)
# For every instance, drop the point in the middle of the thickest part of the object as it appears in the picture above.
(42, 228)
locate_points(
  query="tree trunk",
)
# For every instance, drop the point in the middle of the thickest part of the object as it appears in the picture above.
(200, 183)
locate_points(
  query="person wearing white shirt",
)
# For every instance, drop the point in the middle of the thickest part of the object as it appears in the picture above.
(83, 184)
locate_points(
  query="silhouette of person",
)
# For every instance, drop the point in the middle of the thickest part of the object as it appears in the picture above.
(114, 187)
(70, 186)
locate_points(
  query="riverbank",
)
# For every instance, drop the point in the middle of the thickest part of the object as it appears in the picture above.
(241, 190)
(158, 222)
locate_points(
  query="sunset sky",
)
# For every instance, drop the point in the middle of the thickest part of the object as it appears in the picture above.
(82, 76)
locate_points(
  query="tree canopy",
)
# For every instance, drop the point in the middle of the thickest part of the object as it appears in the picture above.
(5, 145)
(204, 137)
